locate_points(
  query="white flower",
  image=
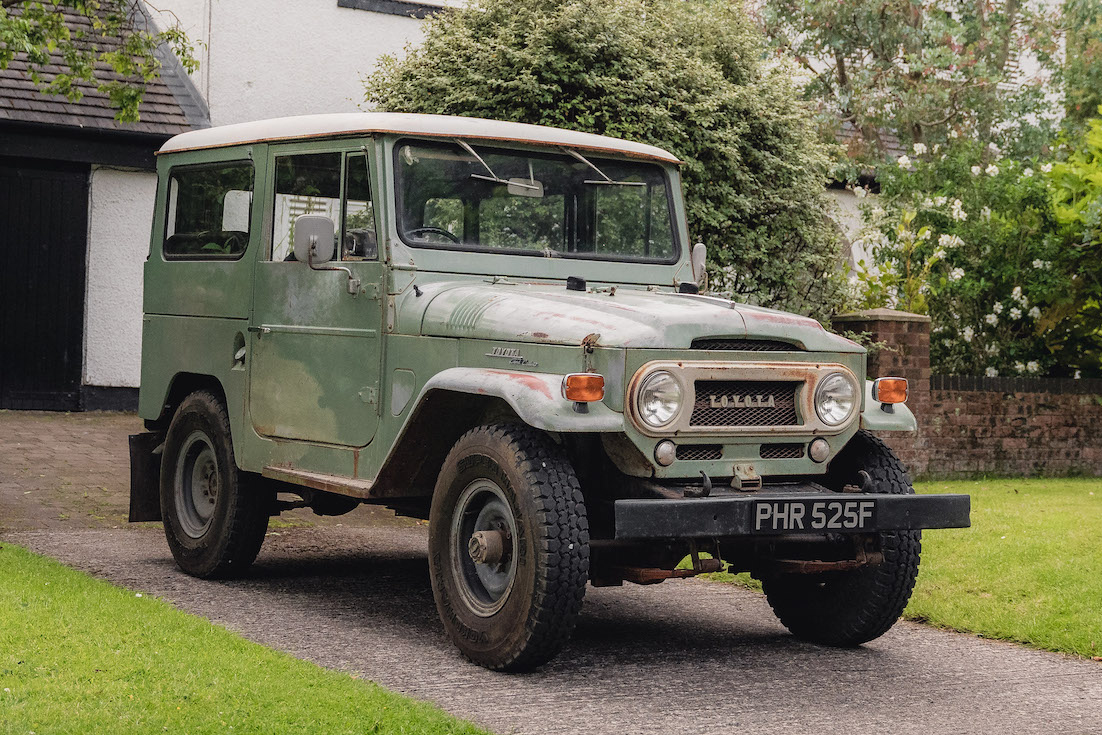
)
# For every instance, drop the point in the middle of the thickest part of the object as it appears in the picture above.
(1078, 374)
(992, 319)
(925, 233)
(958, 212)
(991, 349)
(1027, 173)
(1034, 313)
(950, 241)
(997, 308)
(1047, 168)
(954, 134)
(968, 333)
(994, 150)
(939, 254)
(903, 162)
(992, 170)
(956, 274)
(927, 202)
(1019, 367)
(1038, 264)
(920, 149)
(991, 372)
(860, 192)
(985, 213)
(878, 212)
(137, 594)
(1015, 313)
(1032, 366)
(976, 170)
(940, 201)
(937, 147)
(1016, 294)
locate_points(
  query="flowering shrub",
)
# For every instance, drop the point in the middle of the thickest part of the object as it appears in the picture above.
(971, 239)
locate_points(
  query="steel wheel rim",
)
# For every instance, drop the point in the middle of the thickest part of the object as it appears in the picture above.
(196, 485)
(484, 587)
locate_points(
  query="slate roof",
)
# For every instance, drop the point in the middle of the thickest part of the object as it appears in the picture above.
(171, 104)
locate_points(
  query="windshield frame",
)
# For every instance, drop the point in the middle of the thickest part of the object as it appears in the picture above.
(677, 249)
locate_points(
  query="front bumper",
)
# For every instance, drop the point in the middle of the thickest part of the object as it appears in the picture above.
(786, 510)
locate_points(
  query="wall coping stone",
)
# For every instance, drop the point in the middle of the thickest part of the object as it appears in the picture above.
(880, 315)
(1088, 386)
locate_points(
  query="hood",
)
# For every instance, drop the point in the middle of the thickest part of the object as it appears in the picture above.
(626, 317)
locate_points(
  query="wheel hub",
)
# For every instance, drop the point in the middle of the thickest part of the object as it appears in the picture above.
(487, 547)
(484, 541)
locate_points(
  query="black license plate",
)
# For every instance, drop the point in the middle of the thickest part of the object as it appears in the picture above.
(814, 516)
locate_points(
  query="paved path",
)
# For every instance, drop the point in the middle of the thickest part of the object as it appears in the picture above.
(680, 657)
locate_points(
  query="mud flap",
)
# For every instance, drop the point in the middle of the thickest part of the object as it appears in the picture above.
(145, 476)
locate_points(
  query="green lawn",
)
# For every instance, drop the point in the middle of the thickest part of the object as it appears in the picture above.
(80, 656)
(1029, 569)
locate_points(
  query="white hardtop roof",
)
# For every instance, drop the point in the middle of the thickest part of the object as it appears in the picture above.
(442, 126)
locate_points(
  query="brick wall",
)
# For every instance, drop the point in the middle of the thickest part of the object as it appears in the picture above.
(971, 426)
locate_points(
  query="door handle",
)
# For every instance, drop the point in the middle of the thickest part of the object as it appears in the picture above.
(260, 330)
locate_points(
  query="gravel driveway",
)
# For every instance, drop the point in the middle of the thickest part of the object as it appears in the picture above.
(680, 657)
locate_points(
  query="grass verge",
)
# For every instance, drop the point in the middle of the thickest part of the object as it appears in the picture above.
(1028, 570)
(78, 655)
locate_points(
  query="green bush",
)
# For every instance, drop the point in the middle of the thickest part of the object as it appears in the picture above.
(1002, 254)
(689, 77)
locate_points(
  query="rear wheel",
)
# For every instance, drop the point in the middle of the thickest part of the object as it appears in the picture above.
(214, 518)
(508, 547)
(848, 608)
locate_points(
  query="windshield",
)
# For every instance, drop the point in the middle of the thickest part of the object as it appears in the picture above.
(459, 196)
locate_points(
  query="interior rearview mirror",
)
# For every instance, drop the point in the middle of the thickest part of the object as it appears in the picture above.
(699, 258)
(520, 187)
(314, 243)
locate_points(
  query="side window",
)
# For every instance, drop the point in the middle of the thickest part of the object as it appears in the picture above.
(359, 238)
(304, 184)
(208, 211)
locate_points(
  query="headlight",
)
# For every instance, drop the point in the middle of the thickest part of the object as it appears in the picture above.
(835, 399)
(659, 399)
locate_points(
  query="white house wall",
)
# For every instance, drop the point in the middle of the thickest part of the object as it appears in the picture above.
(260, 59)
(120, 214)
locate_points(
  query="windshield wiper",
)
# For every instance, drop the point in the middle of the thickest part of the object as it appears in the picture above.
(604, 180)
(494, 178)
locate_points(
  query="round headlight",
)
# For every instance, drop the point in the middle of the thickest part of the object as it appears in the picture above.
(835, 399)
(659, 399)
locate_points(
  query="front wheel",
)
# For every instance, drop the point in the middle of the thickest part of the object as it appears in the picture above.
(852, 607)
(214, 519)
(508, 547)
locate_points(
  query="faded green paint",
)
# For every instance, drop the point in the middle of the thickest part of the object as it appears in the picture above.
(330, 380)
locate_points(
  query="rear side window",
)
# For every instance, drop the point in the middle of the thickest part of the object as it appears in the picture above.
(209, 209)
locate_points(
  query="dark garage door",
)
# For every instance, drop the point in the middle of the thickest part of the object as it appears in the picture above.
(43, 236)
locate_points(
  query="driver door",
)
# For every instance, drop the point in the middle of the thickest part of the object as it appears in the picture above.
(316, 346)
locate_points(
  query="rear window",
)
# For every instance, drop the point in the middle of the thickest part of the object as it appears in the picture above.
(209, 209)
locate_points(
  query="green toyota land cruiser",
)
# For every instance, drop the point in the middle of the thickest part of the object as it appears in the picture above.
(498, 327)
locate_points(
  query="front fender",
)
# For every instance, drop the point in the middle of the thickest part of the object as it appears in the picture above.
(875, 418)
(535, 397)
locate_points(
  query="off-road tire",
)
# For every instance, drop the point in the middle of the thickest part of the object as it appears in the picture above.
(853, 607)
(239, 518)
(541, 607)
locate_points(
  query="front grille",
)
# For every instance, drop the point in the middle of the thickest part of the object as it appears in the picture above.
(745, 345)
(781, 451)
(699, 451)
(745, 403)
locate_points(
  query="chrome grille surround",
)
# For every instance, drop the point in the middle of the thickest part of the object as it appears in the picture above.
(803, 377)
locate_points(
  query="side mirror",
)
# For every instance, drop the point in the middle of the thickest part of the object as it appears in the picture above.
(314, 239)
(699, 258)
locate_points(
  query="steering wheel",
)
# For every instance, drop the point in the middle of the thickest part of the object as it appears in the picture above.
(434, 231)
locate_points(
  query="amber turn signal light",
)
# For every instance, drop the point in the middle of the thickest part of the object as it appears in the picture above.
(889, 390)
(583, 387)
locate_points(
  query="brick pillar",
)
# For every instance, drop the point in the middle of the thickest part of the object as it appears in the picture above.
(906, 354)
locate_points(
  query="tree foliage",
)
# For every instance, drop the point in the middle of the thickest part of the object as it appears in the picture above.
(925, 70)
(686, 76)
(1083, 68)
(120, 37)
